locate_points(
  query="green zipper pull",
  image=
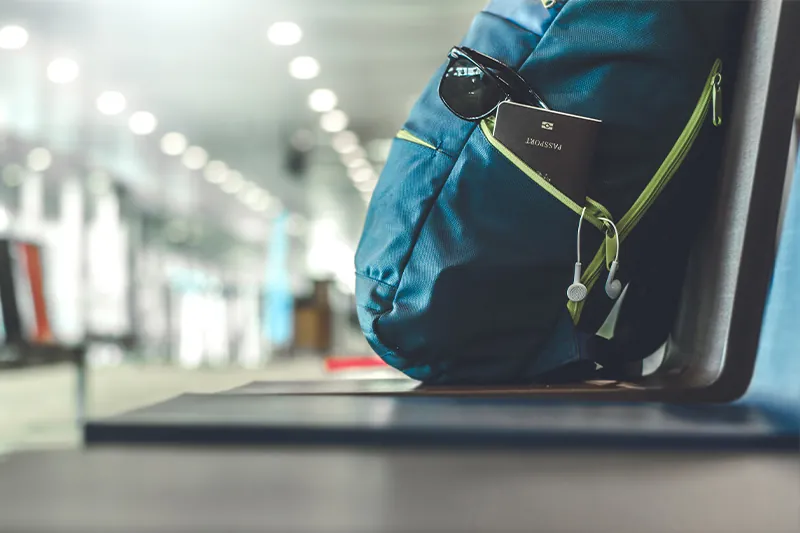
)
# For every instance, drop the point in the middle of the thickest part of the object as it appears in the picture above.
(716, 99)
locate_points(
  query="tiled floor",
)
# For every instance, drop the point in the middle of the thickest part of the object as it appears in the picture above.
(37, 407)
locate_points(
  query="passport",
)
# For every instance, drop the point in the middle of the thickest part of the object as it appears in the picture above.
(558, 146)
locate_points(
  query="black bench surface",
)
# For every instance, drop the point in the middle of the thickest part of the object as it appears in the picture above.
(262, 418)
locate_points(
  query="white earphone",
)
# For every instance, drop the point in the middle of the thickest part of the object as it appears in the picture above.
(577, 292)
(613, 285)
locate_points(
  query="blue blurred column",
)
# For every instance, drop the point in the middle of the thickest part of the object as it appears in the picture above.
(777, 372)
(278, 302)
(22, 108)
(22, 79)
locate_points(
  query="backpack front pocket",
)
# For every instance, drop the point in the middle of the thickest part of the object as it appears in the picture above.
(410, 181)
(710, 100)
(594, 210)
(488, 270)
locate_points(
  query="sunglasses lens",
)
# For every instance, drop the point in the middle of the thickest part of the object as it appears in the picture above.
(468, 91)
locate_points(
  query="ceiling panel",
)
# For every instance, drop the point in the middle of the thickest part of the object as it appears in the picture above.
(206, 68)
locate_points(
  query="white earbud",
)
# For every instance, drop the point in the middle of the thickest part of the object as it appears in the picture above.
(613, 285)
(577, 292)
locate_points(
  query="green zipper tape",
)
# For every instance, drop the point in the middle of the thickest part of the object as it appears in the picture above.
(593, 209)
(710, 98)
(410, 137)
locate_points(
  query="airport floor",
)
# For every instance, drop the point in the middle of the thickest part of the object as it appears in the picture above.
(37, 406)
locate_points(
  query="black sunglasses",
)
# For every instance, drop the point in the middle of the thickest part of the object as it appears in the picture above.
(474, 84)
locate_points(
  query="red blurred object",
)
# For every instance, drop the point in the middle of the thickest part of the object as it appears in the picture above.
(339, 363)
(31, 256)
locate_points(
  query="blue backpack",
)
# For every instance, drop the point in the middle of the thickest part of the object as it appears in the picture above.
(466, 253)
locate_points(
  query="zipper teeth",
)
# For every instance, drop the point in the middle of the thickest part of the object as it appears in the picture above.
(593, 209)
(628, 223)
(698, 118)
(661, 179)
(410, 137)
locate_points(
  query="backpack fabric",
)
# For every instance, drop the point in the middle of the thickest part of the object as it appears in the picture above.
(466, 252)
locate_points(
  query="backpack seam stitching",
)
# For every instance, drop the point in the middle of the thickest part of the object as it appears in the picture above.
(370, 278)
(426, 214)
(423, 221)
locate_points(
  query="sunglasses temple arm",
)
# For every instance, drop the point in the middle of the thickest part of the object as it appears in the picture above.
(525, 93)
(533, 96)
(538, 100)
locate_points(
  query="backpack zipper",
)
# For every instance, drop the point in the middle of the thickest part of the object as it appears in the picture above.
(594, 210)
(711, 98)
(410, 137)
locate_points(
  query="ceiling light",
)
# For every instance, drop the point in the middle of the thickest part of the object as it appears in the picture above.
(215, 171)
(233, 183)
(251, 196)
(357, 163)
(247, 187)
(353, 155)
(111, 103)
(63, 70)
(260, 207)
(322, 100)
(366, 186)
(264, 204)
(233, 176)
(231, 187)
(174, 143)
(345, 142)
(142, 123)
(195, 158)
(304, 68)
(13, 37)
(334, 121)
(362, 175)
(284, 33)
(39, 159)
(13, 175)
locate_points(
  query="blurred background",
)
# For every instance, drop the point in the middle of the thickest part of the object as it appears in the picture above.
(192, 176)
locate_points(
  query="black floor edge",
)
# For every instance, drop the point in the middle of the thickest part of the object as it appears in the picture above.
(110, 434)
